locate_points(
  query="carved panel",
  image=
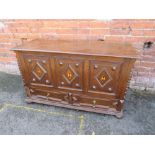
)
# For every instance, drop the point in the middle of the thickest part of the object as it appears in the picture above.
(39, 70)
(104, 76)
(69, 73)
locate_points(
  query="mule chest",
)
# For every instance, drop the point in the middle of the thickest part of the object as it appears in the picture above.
(84, 75)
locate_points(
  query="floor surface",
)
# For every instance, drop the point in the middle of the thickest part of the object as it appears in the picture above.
(18, 117)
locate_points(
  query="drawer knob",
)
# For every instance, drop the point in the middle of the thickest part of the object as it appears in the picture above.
(29, 60)
(33, 79)
(94, 103)
(61, 63)
(113, 68)
(94, 87)
(95, 66)
(77, 65)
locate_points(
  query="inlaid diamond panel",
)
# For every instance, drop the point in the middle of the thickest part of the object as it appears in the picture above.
(103, 78)
(70, 74)
(39, 71)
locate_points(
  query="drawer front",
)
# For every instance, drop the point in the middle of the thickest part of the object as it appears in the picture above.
(38, 69)
(48, 95)
(104, 76)
(88, 101)
(69, 73)
(73, 99)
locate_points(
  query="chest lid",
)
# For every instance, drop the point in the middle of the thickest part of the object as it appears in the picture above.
(82, 47)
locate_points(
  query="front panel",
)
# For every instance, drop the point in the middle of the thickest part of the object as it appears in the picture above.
(104, 76)
(69, 73)
(38, 69)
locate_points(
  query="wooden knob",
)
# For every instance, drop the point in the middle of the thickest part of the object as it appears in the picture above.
(95, 66)
(77, 65)
(77, 85)
(62, 83)
(61, 63)
(47, 81)
(110, 89)
(94, 87)
(113, 68)
(29, 60)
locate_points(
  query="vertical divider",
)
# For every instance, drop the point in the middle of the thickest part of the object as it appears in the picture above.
(53, 70)
(86, 76)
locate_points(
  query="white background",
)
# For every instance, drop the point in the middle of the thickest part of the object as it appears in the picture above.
(96, 9)
(77, 145)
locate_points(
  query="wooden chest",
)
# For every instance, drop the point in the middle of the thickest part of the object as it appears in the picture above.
(84, 75)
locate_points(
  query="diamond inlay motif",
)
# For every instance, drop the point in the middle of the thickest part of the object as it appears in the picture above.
(103, 78)
(70, 74)
(39, 71)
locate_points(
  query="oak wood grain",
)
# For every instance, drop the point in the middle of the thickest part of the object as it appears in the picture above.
(85, 75)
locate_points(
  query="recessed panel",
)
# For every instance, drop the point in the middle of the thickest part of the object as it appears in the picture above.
(69, 73)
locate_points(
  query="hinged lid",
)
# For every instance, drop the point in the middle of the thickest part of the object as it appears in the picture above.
(84, 47)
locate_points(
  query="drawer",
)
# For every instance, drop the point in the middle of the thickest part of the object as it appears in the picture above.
(86, 101)
(73, 99)
(49, 95)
